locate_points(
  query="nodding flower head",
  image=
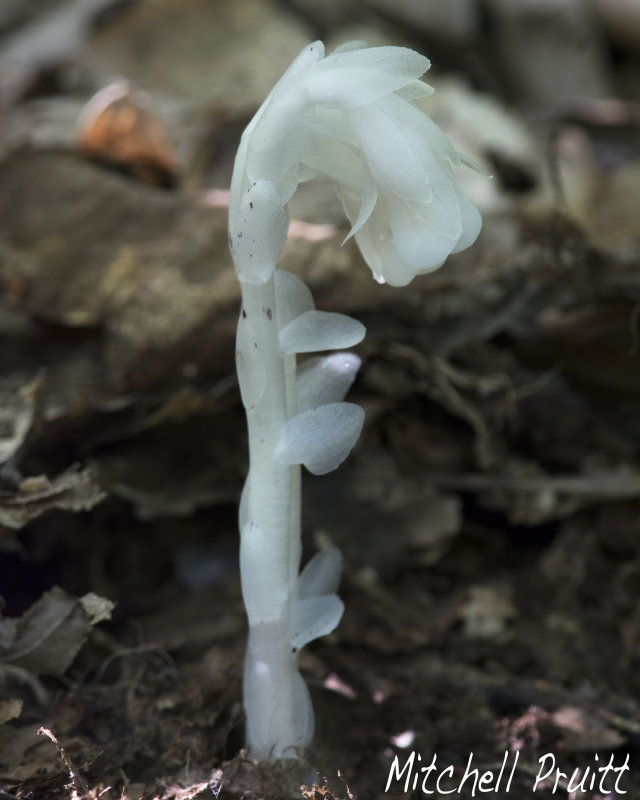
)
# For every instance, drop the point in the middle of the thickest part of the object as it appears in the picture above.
(351, 116)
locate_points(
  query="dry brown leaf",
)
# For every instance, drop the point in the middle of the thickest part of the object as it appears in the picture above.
(47, 637)
(73, 490)
(584, 731)
(118, 127)
(23, 754)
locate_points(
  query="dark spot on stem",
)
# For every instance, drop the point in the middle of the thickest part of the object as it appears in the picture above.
(250, 204)
(269, 315)
(244, 314)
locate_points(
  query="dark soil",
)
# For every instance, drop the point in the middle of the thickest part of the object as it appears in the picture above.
(489, 516)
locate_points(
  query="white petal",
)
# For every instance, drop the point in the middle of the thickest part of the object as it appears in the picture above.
(430, 149)
(386, 59)
(393, 160)
(338, 160)
(258, 232)
(276, 143)
(376, 244)
(383, 260)
(305, 61)
(314, 617)
(423, 128)
(471, 223)
(348, 88)
(415, 91)
(369, 192)
(417, 233)
(330, 124)
(321, 438)
(355, 77)
(321, 574)
(467, 161)
(325, 379)
(320, 330)
(293, 297)
(309, 56)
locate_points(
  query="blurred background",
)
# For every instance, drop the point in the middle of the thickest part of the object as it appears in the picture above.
(490, 515)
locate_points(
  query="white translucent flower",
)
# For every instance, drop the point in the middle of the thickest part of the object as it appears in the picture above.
(351, 116)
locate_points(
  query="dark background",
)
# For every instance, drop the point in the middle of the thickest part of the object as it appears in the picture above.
(489, 516)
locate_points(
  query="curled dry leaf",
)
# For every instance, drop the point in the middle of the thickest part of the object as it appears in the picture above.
(47, 637)
(117, 127)
(73, 490)
(98, 608)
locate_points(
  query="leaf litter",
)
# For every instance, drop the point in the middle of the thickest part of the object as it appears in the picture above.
(489, 517)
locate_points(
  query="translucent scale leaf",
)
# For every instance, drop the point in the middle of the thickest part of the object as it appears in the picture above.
(321, 438)
(315, 617)
(293, 297)
(321, 574)
(313, 331)
(325, 379)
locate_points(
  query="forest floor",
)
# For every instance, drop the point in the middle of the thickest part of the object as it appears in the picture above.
(489, 517)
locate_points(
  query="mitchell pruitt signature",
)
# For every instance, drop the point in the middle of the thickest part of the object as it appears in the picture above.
(601, 776)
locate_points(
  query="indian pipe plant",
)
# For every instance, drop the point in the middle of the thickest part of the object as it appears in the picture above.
(351, 117)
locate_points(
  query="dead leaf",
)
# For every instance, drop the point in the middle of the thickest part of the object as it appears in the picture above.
(24, 755)
(98, 608)
(47, 637)
(73, 490)
(583, 731)
(212, 786)
(19, 405)
(118, 127)
(147, 267)
(488, 611)
(10, 709)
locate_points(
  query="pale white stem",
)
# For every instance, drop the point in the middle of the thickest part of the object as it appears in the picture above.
(260, 354)
(273, 690)
(295, 533)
